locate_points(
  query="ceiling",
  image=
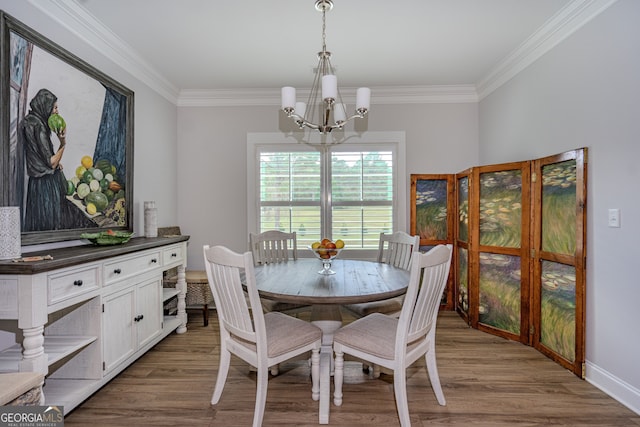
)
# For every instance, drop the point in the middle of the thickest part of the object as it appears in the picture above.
(212, 45)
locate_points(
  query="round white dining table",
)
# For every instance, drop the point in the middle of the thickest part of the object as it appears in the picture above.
(355, 281)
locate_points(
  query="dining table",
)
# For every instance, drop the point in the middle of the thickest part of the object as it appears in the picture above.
(302, 281)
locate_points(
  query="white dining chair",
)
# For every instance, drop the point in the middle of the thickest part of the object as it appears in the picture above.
(273, 246)
(396, 343)
(395, 249)
(262, 340)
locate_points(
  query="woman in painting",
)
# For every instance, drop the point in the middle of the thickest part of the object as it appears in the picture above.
(46, 206)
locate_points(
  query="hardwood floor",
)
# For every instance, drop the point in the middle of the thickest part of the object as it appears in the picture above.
(487, 381)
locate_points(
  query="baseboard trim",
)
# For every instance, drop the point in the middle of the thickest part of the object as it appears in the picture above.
(618, 389)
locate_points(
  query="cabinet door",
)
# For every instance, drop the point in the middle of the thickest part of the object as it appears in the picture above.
(148, 311)
(119, 332)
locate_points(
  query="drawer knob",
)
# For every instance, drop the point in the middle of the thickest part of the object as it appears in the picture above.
(153, 261)
(138, 318)
(173, 255)
(117, 271)
(77, 283)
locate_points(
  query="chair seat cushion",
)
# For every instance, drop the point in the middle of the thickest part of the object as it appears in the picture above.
(374, 334)
(286, 333)
(387, 306)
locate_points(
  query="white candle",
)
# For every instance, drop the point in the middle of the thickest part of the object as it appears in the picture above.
(301, 108)
(329, 87)
(288, 97)
(339, 112)
(363, 98)
(150, 219)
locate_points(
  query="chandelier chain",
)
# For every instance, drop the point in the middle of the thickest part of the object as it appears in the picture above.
(324, 27)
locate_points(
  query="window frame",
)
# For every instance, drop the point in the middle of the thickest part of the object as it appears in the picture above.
(365, 141)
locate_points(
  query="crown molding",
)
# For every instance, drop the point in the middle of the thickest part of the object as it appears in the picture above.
(442, 94)
(380, 95)
(228, 97)
(560, 26)
(76, 20)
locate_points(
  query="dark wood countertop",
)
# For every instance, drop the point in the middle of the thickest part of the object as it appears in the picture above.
(70, 256)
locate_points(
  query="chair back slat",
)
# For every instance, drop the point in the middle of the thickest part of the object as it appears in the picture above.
(273, 246)
(224, 271)
(396, 249)
(429, 274)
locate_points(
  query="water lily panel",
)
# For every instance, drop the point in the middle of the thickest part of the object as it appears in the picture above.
(558, 308)
(559, 207)
(500, 291)
(463, 209)
(501, 208)
(463, 279)
(431, 209)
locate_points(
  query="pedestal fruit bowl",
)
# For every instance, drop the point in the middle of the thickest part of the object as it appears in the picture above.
(326, 251)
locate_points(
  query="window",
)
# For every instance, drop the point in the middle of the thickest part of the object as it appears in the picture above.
(348, 191)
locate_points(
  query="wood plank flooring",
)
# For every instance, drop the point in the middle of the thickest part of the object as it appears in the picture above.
(487, 381)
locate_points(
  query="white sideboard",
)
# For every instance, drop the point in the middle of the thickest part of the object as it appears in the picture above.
(88, 313)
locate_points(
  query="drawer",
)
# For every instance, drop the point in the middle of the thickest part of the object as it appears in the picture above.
(133, 265)
(70, 283)
(173, 255)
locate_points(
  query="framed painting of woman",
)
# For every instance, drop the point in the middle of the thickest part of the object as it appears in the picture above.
(66, 147)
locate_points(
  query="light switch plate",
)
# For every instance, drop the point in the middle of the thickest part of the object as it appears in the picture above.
(614, 218)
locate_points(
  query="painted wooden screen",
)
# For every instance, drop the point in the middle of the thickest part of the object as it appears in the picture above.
(461, 258)
(432, 218)
(499, 251)
(559, 242)
(519, 231)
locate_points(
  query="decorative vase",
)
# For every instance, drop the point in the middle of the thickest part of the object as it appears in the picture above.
(150, 219)
(10, 244)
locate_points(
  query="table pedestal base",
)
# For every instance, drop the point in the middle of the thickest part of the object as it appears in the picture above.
(329, 319)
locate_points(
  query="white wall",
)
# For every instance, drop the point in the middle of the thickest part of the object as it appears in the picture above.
(212, 160)
(155, 118)
(584, 93)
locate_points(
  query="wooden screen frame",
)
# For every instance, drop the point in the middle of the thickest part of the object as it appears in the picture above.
(464, 244)
(578, 260)
(450, 220)
(530, 252)
(523, 252)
